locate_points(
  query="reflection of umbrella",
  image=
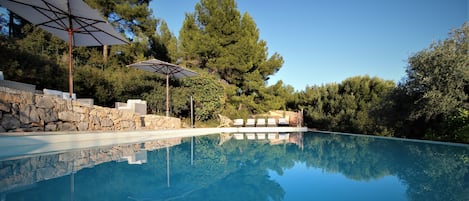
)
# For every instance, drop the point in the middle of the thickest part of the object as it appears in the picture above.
(165, 68)
(71, 20)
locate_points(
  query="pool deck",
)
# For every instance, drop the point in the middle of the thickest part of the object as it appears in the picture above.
(14, 145)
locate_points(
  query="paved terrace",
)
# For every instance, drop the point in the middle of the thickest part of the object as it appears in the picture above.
(13, 145)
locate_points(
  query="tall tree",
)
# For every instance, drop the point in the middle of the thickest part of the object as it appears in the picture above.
(163, 45)
(217, 38)
(132, 18)
(438, 77)
(277, 96)
(438, 84)
(189, 37)
(346, 107)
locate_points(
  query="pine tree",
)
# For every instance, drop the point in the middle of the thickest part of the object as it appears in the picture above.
(189, 37)
(217, 38)
(163, 45)
(130, 17)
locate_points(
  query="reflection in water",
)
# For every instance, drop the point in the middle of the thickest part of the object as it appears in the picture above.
(136, 158)
(25, 173)
(228, 167)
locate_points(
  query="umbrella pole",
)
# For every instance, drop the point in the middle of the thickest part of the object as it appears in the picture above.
(167, 95)
(70, 76)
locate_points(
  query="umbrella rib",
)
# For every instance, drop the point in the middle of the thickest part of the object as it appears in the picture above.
(86, 30)
(66, 14)
(84, 27)
(81, 21)
(59, 19)
(162, 68)
(57, 22)
(165, 68)
(50, 9)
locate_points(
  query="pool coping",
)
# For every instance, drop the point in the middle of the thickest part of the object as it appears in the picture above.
(19, 144)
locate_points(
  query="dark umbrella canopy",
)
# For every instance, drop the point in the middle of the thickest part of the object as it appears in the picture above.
(164, 68)
(70, 20)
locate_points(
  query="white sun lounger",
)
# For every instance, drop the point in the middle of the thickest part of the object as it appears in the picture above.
(261, 122)
(238, 122)
(271, 122)
(283, 122)
(250, 122)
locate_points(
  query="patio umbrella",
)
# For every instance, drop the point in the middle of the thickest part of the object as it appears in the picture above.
(164, 68)
(70, 20)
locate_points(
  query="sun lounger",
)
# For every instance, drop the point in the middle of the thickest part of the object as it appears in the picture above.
(250, 122)
(271, 122)
(283, 122)
(261, 122)
(238, 122)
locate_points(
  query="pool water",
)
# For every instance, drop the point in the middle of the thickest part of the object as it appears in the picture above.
(279, 166)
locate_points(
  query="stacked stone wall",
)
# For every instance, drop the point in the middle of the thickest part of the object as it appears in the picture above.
(23, 111)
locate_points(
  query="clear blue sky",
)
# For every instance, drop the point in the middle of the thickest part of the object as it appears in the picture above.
(326, 41)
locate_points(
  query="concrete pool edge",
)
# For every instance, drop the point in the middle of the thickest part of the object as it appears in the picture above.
(14, 145)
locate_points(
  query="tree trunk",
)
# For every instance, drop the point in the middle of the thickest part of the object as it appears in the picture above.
(105, 53)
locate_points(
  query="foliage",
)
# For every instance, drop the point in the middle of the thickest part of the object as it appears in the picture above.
(108, 86)
(459, 125)
(131, 17)
(34, 59)
(156, 98)
(218, 39)
(277, 96)
(225, 48)
(206, 168)
(345, 107)
(207, 92)
(438, 77)
(430, 103)
(163, 45)
(435, 91)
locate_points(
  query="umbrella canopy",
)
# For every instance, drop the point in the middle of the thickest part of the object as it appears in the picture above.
(164, 68)
(71, 20)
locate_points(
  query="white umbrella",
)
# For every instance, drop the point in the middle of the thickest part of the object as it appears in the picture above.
(70, 20)
(164, 68)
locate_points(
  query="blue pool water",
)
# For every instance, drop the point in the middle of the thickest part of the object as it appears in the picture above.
(294, 166)
(314, 182)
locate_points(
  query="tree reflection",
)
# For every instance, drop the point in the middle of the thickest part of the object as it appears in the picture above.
(355, 158)
(239, 170)
(431, 171)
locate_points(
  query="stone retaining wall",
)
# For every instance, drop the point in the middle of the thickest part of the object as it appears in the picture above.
(23, 111)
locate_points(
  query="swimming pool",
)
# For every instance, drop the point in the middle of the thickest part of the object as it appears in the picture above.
(246, 166)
